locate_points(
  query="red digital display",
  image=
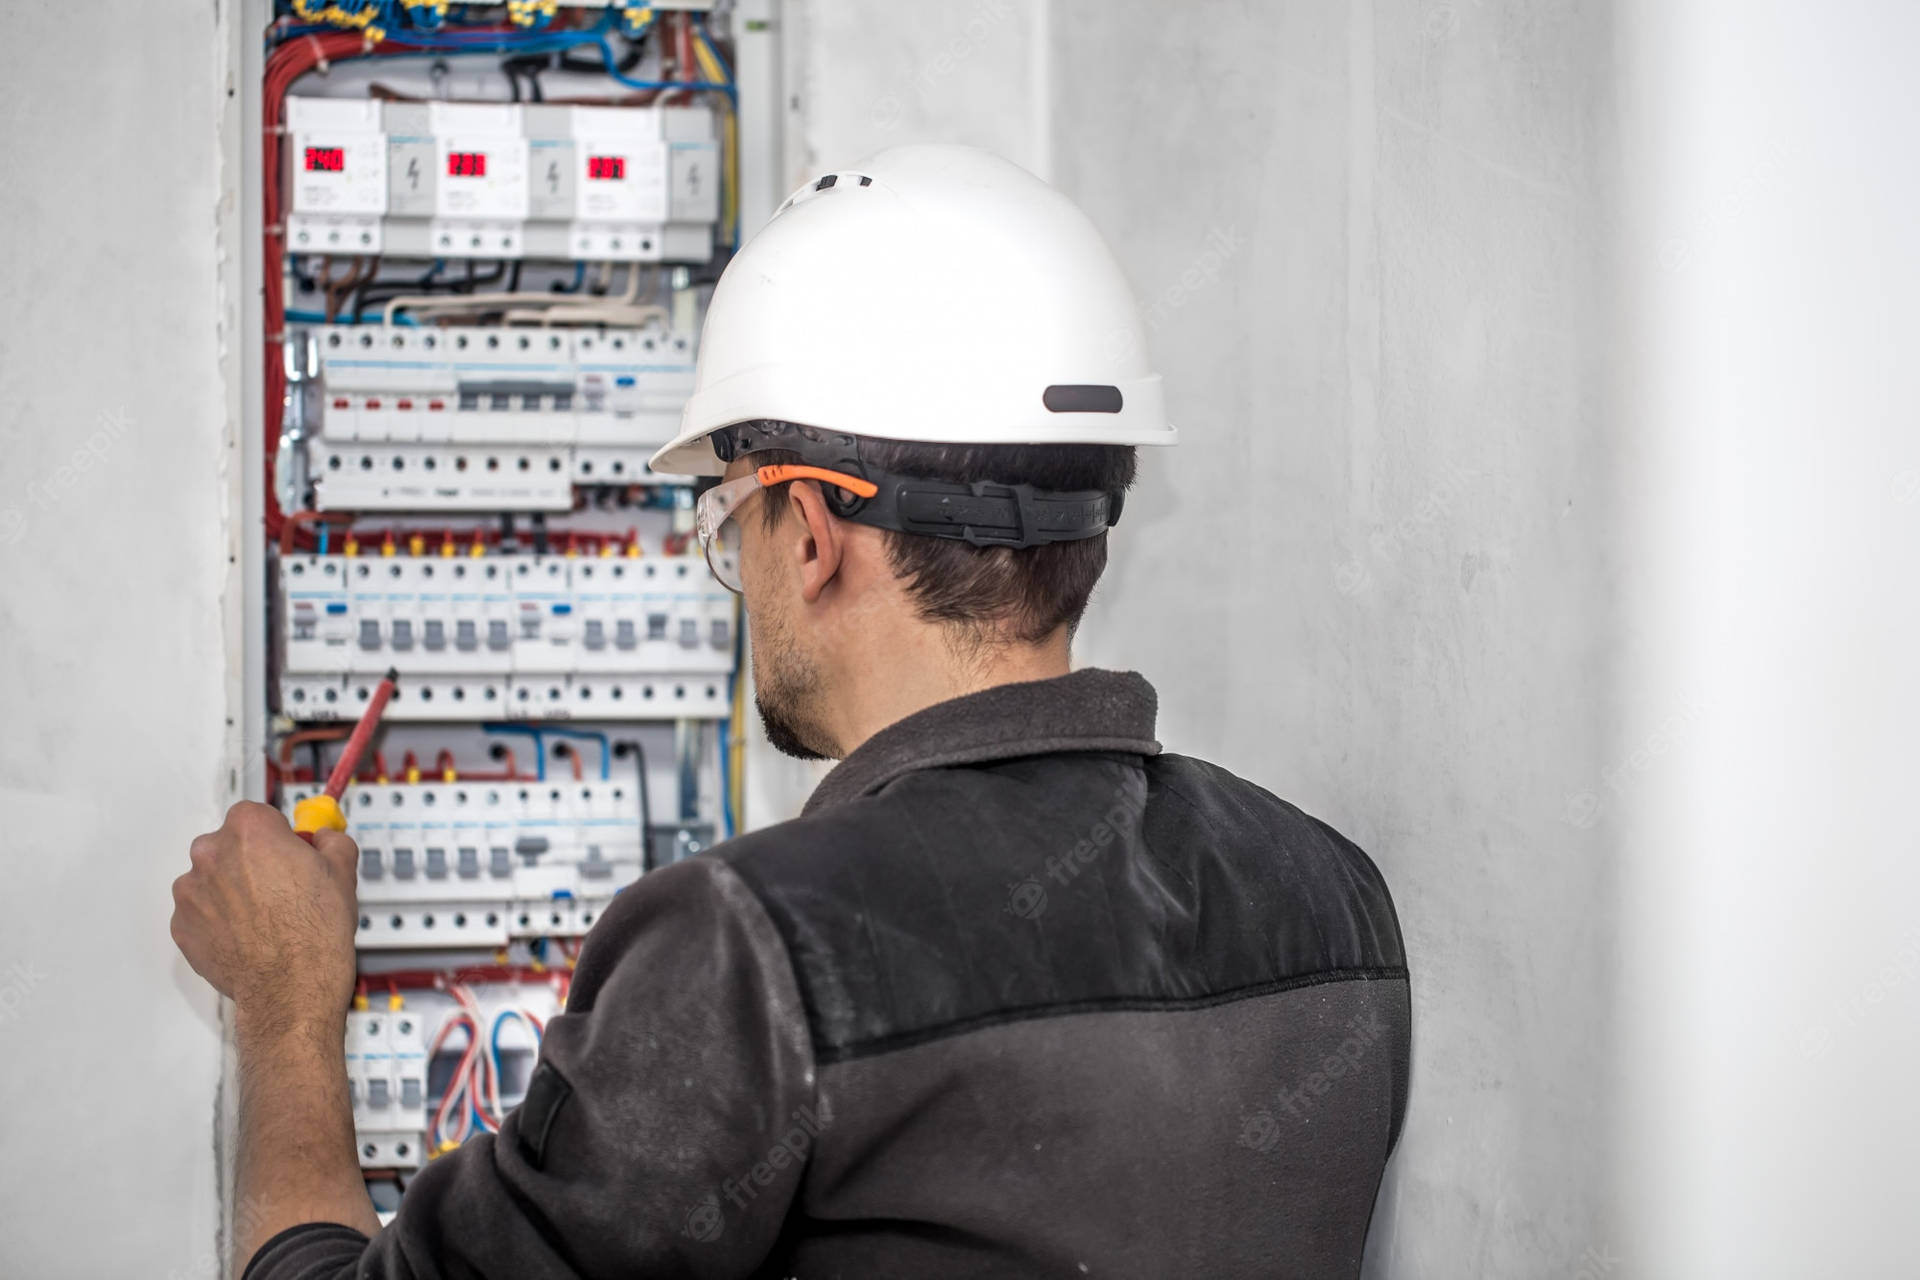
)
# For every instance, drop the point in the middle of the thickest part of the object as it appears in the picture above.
(326, 159)
(612, 168)
(466, 164)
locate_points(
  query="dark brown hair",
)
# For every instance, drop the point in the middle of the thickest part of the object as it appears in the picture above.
(1021, 594)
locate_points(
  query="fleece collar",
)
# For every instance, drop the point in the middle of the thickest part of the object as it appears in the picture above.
(1088, 710)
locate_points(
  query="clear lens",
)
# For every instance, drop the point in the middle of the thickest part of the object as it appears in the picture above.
(719, 532)
(723, 555)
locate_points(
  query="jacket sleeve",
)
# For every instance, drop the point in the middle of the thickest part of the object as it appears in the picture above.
(665, 1128)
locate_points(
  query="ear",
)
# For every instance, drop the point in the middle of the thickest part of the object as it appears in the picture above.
(822, 545)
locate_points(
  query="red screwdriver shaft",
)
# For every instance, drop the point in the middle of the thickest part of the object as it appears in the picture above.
(342, 776)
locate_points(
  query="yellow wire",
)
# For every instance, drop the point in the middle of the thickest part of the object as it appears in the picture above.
(729, 134)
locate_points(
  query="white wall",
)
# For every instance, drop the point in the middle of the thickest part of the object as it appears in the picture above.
(1769, 442)
(117, 622)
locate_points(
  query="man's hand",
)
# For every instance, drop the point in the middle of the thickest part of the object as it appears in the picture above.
(269, 919)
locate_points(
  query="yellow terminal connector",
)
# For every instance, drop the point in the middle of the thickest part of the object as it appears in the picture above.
(351, 547)
(396, 1001)
(417, 545)
(413, 774)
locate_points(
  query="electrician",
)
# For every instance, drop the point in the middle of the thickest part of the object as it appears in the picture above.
(1019, 993)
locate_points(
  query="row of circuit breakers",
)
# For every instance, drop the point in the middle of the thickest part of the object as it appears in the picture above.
(501, 180)
(492, 637)
(479, 864)
(496, 419)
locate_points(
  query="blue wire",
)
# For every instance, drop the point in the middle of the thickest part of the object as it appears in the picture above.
(323, 537)
(493, 1047)
(727, 726)
(365, 317)
(612, 69)
(726, 786)
(539, 745)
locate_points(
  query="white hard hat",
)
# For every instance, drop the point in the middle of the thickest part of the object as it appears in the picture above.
(935, 293)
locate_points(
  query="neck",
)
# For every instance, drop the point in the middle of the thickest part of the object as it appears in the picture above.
(912, 673)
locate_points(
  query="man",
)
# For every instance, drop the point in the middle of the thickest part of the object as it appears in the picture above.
(1018, 993)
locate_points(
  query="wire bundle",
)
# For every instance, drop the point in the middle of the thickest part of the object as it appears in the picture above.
(471, 1103)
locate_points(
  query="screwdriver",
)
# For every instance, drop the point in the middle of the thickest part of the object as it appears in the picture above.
(323, 812)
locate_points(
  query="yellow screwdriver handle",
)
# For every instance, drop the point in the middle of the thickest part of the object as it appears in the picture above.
(318, 813)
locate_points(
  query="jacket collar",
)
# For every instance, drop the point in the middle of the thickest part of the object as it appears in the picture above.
(1089, 710)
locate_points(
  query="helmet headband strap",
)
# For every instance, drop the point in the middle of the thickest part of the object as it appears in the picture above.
(982, 513)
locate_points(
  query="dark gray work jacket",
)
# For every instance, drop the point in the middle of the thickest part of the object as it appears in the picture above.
(1017, 995)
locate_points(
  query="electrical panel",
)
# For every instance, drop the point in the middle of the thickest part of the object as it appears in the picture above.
(502, 180)
(484, 274)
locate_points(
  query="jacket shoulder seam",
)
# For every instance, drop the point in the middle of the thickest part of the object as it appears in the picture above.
(895, 1041)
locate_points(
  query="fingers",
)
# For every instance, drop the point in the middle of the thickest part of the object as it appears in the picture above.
(254, 818)
(201, 852)
(342, 855)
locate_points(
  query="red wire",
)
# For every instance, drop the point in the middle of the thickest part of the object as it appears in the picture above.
(292, 525)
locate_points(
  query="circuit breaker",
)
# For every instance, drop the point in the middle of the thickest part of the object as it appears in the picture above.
(387, 1081)
(467, 418)
(498, 637)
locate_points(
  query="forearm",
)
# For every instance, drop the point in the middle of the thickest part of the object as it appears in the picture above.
(296, 1160)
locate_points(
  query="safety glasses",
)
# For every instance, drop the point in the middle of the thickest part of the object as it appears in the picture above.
(714, 513)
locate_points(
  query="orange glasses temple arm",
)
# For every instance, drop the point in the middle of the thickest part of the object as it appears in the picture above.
(776, 473)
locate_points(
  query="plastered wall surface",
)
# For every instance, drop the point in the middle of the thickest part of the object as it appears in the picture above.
(115, 633)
